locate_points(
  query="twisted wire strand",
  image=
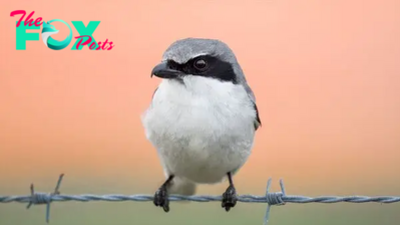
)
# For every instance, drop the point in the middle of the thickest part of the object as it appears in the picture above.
(271, 198)
(44, 198)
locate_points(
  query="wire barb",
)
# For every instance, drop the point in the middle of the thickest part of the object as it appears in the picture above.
(38, 198)
(271, 198)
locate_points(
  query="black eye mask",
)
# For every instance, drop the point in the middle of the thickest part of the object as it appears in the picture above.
(213, 68)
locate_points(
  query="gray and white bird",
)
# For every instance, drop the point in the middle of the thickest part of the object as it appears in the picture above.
(202, 118)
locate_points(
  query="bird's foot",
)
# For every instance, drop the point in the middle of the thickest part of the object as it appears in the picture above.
(161, 198)
(229, 198)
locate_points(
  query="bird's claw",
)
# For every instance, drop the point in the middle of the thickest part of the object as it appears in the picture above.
(161, 198)
(229, 198)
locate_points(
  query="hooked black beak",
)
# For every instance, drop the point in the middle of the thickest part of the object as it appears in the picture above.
(163, 71)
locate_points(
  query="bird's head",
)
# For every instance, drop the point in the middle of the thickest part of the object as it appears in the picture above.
(208, 58)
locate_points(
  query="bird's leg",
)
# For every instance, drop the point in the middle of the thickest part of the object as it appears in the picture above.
(229, 198)
(161, 195)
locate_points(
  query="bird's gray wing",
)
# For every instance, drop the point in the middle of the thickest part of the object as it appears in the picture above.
(257, 121)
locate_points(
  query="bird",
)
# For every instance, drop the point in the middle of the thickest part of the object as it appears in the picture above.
(202, 118)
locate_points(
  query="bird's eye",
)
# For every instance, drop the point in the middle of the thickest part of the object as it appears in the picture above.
(200, 64)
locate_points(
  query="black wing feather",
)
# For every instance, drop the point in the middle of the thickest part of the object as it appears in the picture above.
(257, 122)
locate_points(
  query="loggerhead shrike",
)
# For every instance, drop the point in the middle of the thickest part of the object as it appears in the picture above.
(202, 118)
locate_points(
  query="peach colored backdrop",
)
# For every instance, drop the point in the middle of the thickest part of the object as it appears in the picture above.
(326, 75)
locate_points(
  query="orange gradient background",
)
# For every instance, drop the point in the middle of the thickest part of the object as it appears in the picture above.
(326, 75)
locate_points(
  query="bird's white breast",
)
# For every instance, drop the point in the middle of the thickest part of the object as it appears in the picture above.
(202, 128)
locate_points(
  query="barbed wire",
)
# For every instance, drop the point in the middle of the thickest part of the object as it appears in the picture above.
(271, 198)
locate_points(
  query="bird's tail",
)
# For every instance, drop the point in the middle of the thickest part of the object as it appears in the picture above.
(182, 186)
